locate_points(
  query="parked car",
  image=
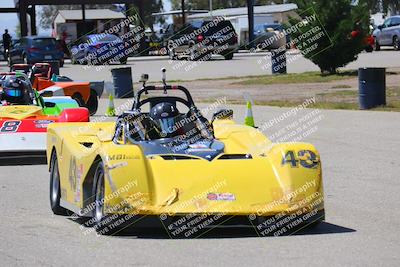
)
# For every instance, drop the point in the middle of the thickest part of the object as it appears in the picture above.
(34, 49)
(388, 34)
(199, 39)
(264, 36)
(96, 49)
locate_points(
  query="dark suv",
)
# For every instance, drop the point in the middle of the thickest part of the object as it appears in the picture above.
(199, 39)
(34, 49)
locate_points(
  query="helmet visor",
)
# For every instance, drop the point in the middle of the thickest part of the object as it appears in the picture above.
(13, 92)
(167, 125)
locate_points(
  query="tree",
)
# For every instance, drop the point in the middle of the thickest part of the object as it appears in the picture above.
(344, 26)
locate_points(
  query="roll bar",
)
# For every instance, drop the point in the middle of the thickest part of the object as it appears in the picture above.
(164, 88)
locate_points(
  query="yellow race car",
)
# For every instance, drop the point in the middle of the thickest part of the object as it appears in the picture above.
(170, 167)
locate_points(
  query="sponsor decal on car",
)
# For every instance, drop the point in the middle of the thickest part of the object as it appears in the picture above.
(41, 124)
(221, 196)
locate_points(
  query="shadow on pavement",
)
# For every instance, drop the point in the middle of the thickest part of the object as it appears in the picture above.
(322, 228)
(212, 233)
(16, 159)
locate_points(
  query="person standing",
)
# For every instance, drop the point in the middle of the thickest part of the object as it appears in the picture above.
(6, 43)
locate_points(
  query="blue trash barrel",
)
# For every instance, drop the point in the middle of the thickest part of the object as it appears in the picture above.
(278, 59)
(371, 87)
(122, 79)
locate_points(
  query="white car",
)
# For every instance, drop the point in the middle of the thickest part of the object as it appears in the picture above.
(388, 34)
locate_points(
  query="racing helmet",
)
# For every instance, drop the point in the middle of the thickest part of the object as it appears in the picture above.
(14, 90)
(165, 115)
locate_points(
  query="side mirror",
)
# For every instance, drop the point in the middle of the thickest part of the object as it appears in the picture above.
(49, 104)
(380, 27)
(222, 114)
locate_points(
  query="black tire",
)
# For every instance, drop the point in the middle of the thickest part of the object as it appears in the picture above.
(93, 102)
(369, 49)
(396, 43)
(228, 56)
(171, 54)
(73, 61)
(61, 63)
(103, 223)
(55, 188)
(78, 98)
(193, 55)
(124, 61)
(377, 46)
(25, 59)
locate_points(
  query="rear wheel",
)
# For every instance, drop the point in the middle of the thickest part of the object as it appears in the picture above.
(93, 102)
(55, 188)
(25, 59)
(369, 49)
(396, 43)
(377, 46)
(228, 56)
(124, 61)
(78, 98)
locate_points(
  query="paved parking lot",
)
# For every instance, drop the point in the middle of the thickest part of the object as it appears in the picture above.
(243, 64)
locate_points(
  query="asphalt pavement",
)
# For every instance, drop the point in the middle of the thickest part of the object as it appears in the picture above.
(359, 153)
(243, 64)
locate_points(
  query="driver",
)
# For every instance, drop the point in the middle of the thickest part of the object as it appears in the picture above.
(15, 91)
(165, 116)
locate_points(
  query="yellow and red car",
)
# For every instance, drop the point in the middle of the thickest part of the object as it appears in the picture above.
(25, 116)
(184, 173)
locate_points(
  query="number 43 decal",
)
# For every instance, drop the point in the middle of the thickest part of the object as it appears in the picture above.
(306, 158)
(10, 126)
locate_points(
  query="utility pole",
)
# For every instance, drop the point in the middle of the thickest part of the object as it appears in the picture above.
(250, 15)
(183, 12)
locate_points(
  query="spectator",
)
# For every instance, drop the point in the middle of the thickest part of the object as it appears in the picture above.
(6, 43)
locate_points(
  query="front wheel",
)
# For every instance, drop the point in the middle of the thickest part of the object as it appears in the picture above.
(171, 54)
(93, 102)
(55, 188)
(78, 98)
(369, 49)
(124, 61)
(228, 56)
(396, 43)
(103, 223)
(25, 59)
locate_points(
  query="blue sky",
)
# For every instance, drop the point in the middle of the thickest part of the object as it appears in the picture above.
(10, 21)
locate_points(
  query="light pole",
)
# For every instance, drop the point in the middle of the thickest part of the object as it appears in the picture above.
(183, 12)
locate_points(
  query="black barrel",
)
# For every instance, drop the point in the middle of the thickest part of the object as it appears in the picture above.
(371, 87)
(278, 59)
(122, 79)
